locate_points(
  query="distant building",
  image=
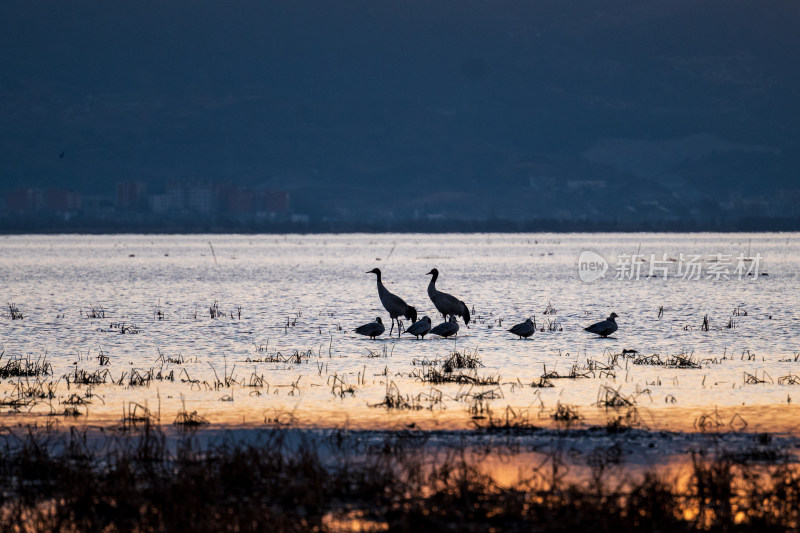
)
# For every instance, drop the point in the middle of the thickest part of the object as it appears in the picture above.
(236, 200)
(271, 201)
(97, 203)
(161, 203)
(25, 200)
(189, 197)
(175, 197)
(202, 198)
(62, 200)
(131, 194)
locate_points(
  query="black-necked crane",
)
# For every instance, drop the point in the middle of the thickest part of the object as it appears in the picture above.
(394, 305)
(447, 304)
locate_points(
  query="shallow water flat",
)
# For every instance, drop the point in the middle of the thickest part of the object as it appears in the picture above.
(281, 344)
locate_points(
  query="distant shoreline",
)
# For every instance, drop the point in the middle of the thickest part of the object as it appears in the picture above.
(199, 225)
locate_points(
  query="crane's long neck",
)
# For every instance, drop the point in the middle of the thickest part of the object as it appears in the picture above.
(432, 285)
(382, 291)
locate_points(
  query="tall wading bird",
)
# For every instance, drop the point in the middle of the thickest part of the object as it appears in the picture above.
(393, 304)
(447, 304)
(446, 329)
(604, 328)
(523, 329)
(372, 329)
(420, 328)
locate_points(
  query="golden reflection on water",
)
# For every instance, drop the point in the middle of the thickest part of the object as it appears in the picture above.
(281, 350)
(782, 419)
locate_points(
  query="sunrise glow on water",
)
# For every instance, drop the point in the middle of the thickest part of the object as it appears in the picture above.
(126, 321)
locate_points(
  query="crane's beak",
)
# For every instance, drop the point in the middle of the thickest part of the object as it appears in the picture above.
(429, 273)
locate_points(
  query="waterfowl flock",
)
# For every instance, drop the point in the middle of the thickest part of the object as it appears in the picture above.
(450, 307)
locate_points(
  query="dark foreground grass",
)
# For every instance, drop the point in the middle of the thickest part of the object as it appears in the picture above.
(285, 482)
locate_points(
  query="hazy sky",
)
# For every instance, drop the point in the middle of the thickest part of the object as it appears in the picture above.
(452, 94)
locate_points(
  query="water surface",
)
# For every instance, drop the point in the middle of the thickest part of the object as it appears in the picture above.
(287, 294)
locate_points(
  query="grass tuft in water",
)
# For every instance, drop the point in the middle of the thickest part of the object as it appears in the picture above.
(26, 366)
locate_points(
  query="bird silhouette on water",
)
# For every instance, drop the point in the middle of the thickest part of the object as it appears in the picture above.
(605, 327)
(394, 305)
(420, 328)
(446, 329)
(372, 329)
(447, 304)
(523, 329)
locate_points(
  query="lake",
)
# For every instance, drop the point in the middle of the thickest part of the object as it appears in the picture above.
(709, 329)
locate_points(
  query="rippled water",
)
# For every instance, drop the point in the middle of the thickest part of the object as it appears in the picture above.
(308, 293)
